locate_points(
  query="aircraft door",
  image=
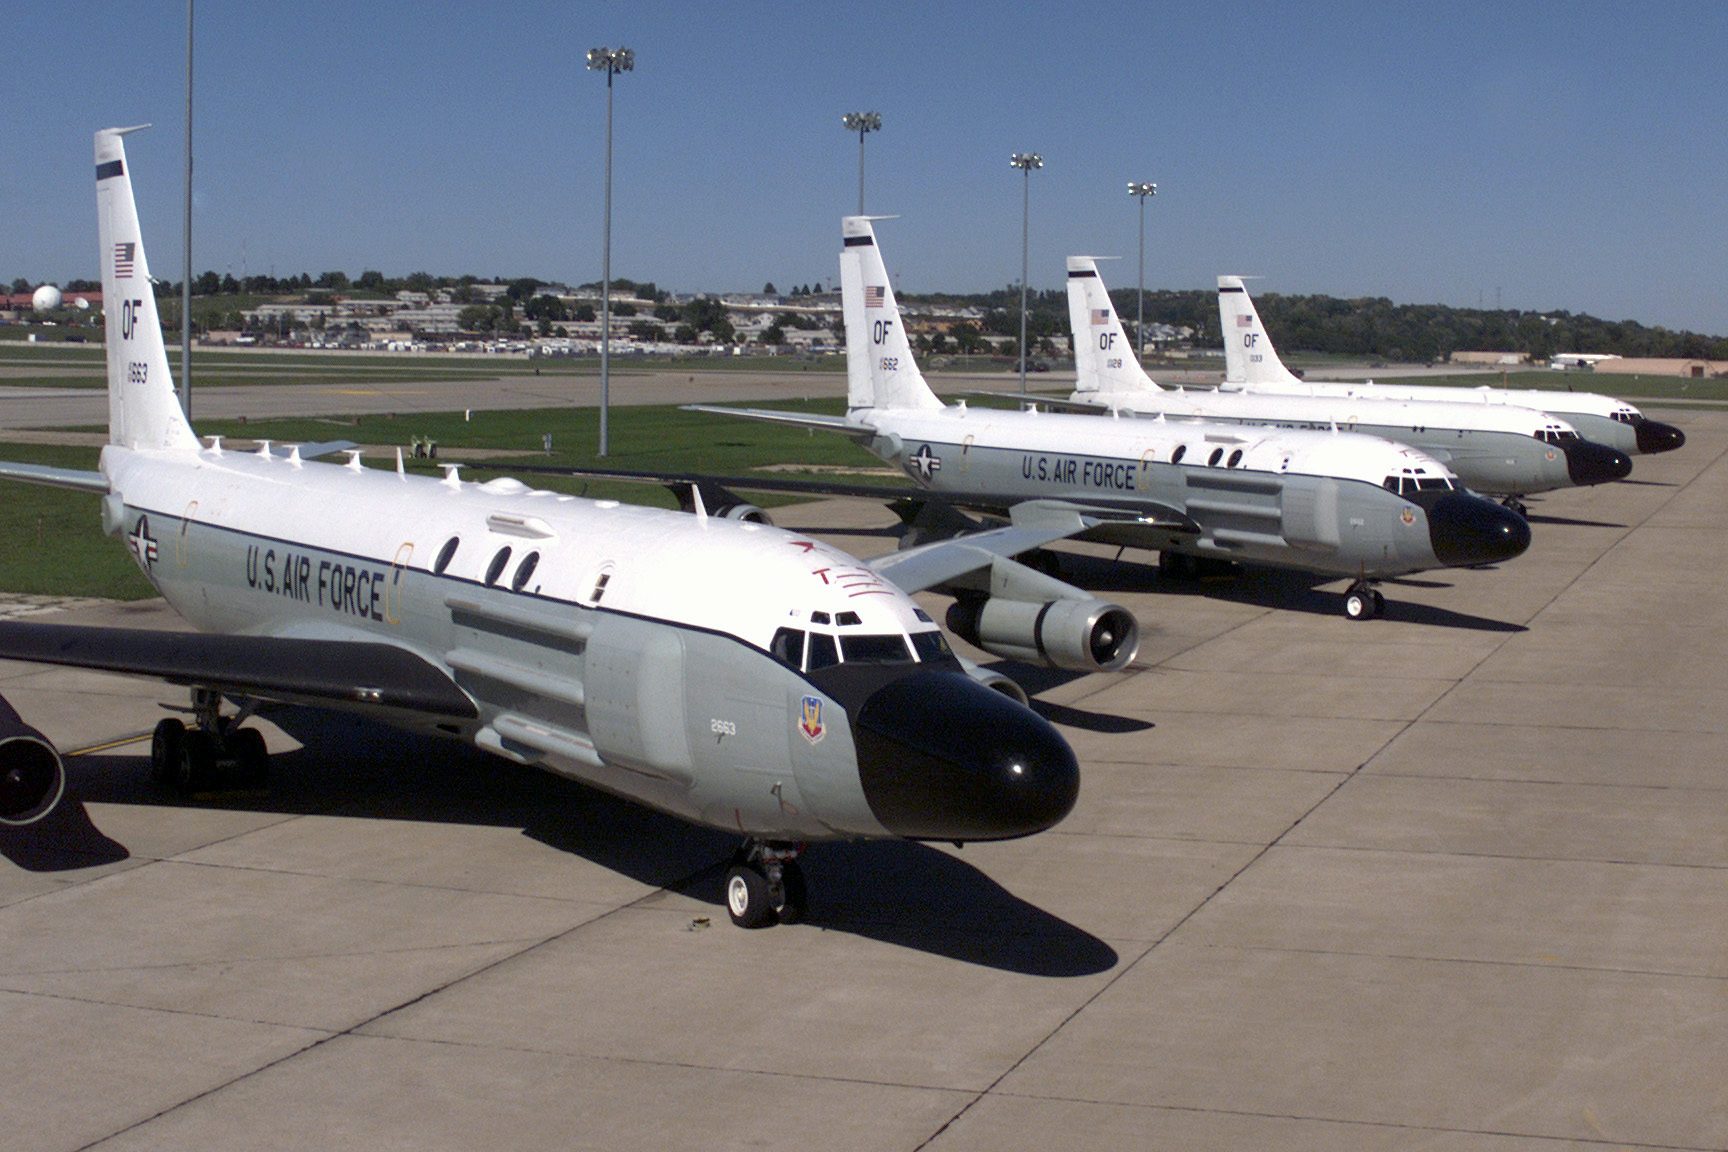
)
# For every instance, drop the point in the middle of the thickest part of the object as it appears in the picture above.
(1143, 478)
(966, 454)
(393, 590)
(181, 552)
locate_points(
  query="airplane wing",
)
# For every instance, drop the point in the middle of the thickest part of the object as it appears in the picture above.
(1048, 403)
(796, 419)
(928, 565)
(347, 675)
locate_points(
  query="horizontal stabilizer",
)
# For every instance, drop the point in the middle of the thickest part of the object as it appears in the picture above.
(55, 477)
(796, 419)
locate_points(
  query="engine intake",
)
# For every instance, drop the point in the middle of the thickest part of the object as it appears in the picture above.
(32, 779)
(1080, 635)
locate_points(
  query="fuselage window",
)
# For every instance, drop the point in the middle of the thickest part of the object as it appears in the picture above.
(1212, 460)
(846, 618)
(818, 617)
(822, 652)
(930, 645)
(1181, 451)
(788, 647)
(496, 568)
(523, 571)
(875, 649)
(445, 555)
(1235, 458)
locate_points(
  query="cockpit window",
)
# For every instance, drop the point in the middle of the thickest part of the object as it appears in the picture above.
(1410, 485)
(846, 618)
(818, 617)
(889, 649)
(930, 645)
(822, 653)
(788, 647)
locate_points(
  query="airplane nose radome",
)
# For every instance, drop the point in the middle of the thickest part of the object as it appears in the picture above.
(1655, 436)
(1466, 529)
(941, 757)
(1590, 463)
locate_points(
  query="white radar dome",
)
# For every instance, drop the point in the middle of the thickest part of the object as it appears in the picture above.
(46, 299)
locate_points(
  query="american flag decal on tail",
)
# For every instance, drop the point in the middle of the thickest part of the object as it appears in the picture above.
(874, 295)
(123, 254)
(1100, 315)
(1243, 320)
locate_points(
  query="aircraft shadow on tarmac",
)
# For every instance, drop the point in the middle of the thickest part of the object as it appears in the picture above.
(1284, 590)
(896, 892)
(1569, 522)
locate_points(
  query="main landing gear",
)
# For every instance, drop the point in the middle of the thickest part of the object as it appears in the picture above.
(1362, 602)
(765, 885)
(1514, 504)
(196, 758)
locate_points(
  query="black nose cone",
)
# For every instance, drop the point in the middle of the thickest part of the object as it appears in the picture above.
(1655, 436)
(941, 757)
(1590, 463)
(1465, 529)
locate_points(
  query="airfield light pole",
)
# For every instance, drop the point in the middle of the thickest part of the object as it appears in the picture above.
(1142, 190)
(1025, 161)
(610, 61)
(861, 122)
(186, 280)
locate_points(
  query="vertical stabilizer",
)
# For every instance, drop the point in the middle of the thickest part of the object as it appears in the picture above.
(1104, 359)
(142, 409)
(879, 368)
(1249, 357)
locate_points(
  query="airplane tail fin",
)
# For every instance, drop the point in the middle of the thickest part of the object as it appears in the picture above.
(879, 367)
(1249, 357)
(1104, 358)
(142, 409)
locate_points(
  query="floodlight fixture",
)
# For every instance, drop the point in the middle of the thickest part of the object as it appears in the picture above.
(1025, 161)
(610, 61)
(1141, 189)
(861, 123)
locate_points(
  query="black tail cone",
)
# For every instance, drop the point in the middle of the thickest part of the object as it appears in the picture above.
(1588, 462)
(941, 757)
(1466, 530)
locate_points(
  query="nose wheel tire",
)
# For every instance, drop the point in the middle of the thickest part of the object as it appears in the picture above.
(1363, 603)
(747, 897)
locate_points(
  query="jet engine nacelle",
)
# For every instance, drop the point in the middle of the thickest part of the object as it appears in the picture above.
(746, 512)
(1087, 635)
(32, 779)
(996, 682)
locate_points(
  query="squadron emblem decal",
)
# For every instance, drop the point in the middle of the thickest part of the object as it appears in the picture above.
(811, 722)
(1409, 515)
(143, 545)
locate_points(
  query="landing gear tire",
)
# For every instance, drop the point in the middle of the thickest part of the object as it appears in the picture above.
(165, 744)
(792, 898)
(1515, 505)
(748, 900)
(251, 757)
(1362, 602)
(196, 764)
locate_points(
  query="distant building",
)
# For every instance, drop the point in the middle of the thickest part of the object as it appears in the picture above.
(1491, 359)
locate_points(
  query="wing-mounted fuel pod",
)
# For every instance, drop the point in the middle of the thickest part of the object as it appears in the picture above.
(32, 779)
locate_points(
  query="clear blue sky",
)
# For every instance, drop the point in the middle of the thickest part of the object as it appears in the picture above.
(1570, 155)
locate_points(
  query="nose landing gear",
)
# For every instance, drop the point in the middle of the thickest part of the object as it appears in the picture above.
(765, 885)
(1362, 602)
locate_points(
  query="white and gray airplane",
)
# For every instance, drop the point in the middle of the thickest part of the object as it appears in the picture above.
(1251, 364)
(1337, 503)
(1500, 450)
(734, 674)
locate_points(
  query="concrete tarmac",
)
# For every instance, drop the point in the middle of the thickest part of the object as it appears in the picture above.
(1450, 879)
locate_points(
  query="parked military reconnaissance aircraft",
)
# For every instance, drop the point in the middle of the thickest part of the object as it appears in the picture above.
(1251, 364)
(1499, 449)
(733, 674)
(1337, 503)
